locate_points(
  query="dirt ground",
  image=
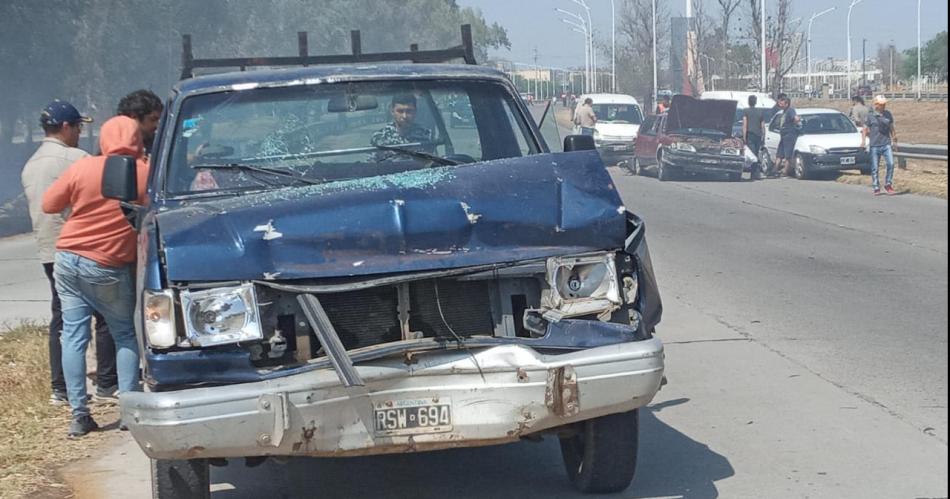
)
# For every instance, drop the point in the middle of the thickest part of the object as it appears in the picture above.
(33, 432)
(917, 122)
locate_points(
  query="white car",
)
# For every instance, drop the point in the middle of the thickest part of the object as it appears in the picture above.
(828, 142)
(619, 118)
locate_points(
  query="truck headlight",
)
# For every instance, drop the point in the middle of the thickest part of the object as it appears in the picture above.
(682, 147)
(159, 312)
(221, 315)
(581, 285)
(818, 150)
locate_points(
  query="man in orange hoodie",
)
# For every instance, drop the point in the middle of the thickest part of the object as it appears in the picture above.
(94, 264)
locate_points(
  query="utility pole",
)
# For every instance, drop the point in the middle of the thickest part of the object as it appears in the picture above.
(762, 81)
(864, 61)
(537, 75)
(891, 78)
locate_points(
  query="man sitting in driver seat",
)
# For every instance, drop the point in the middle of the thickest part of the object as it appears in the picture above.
(402, 130)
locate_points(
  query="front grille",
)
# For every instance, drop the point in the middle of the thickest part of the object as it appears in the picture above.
(365, 317)
(845, 150)
(370, 316)
(465, 306)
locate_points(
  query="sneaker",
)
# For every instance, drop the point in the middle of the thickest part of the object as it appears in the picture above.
(81, 425)
(58, 399)
(877, 192)
(107, 394)
(890, 190)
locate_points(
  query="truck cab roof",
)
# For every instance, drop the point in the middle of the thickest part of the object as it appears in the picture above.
(242, 80)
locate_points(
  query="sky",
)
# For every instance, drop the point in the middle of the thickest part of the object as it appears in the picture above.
(534, 24)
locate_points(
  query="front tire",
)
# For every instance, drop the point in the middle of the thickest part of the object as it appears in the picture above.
(801, 171)
(172, 479)
(634, 166)
(602, 457)
(663, 172)
(766, 164)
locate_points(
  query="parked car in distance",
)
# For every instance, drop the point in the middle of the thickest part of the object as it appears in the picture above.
(742, 103)
(619, 118)
(694, 136)
(828, 143)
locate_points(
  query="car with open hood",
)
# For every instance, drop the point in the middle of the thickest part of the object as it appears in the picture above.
(619, 118)
(694, 137)
(320, 275)
(828, 143)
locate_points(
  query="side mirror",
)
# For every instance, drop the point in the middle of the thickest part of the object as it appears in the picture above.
(579, 143)
(119, 179)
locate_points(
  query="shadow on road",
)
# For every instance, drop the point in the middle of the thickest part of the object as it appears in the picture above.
(670, 465)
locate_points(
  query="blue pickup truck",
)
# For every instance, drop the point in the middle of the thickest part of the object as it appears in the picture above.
(326, 269)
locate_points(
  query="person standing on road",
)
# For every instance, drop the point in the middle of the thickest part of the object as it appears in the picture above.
(62, 125)
(753, 131)
(788, 132)
(146, 108)
(585, 118)
(94, 264)
(880, 134)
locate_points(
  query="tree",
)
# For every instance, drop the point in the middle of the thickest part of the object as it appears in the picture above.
(103, 49)
(785, 43)
(635, 46)
(728, 8)
(933, 59)
(890, 62)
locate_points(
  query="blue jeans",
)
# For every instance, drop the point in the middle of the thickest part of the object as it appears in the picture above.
(85, 286)
(876, 153)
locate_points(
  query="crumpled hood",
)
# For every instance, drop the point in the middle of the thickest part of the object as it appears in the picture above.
(439, 218)
(120, 136)
(714, 114)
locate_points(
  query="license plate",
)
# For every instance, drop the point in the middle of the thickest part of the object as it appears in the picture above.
(618, 148)
(413, 416)
(847, 160)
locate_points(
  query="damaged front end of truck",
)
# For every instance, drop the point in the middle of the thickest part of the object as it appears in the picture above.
(310, 286)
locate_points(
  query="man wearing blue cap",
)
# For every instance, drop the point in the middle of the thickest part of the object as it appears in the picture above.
(62, 124)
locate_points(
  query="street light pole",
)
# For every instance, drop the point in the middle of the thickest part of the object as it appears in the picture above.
(580, 23)
(590, 36)
(613, 47)
(850, 8)
(762, 62)
(918, 50)
(655, 90)
(808, 46)
(580, 28)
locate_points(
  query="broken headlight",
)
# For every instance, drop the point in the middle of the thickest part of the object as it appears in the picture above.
(581, 285)
(159, 312)
(731, 151)
(221, 315)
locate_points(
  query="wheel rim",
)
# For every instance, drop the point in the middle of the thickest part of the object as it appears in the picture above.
(799, 167)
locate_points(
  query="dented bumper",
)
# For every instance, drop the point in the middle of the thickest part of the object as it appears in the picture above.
(496, 394)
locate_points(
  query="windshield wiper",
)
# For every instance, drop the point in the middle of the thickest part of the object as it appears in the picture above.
(258, 169)
(419, 155)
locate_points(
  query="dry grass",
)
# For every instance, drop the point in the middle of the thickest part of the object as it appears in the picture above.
(33, 432)
(921, 177)
(917, 122)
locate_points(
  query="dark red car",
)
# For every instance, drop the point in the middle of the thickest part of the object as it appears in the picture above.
(694, 136)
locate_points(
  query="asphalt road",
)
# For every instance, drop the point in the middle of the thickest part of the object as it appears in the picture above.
(806, 333)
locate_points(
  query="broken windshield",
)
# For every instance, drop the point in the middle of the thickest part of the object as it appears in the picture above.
(329, 132)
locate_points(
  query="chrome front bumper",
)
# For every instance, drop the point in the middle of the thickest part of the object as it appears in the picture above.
(497, 395)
